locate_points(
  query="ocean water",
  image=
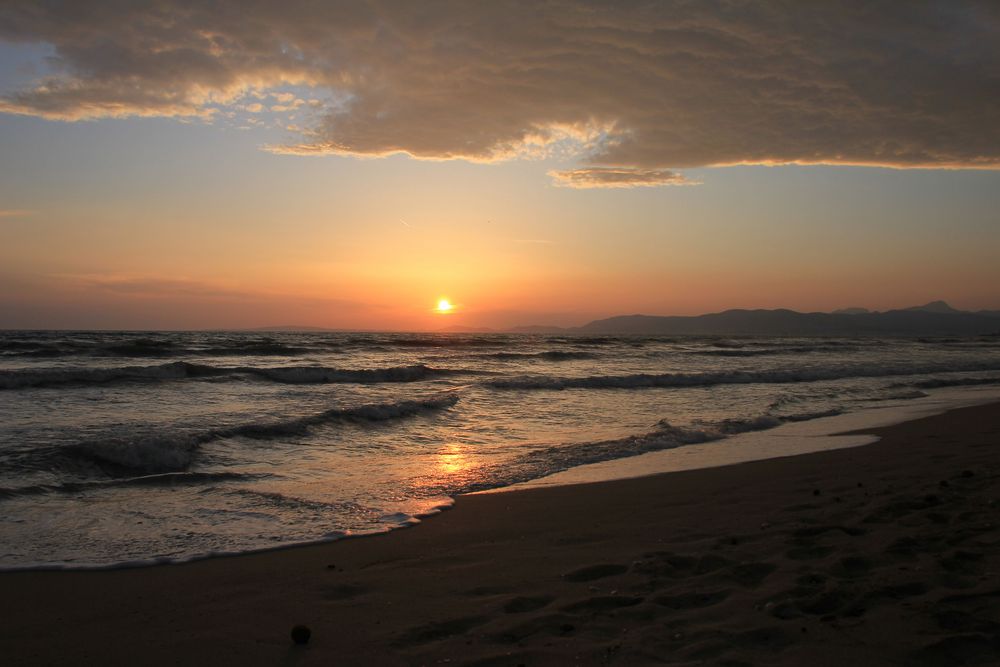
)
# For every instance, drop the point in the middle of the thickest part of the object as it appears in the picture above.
(121, 448)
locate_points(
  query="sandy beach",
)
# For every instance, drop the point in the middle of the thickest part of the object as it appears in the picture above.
(882, 554)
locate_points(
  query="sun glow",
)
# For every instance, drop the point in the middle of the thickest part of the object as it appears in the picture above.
(444, 307)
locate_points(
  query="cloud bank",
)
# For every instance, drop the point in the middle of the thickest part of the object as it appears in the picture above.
(632, 90)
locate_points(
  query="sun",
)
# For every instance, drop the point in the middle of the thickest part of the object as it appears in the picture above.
(444, 307)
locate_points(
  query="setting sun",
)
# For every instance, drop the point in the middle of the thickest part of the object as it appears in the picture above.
(333, 266)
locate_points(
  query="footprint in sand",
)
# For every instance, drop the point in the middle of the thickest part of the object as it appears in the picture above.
(806, 545)
(751, 575)
(522, 604)
(594, 572)
(343, 592)
(966, 649)
(962, 562)
(692, 600)
(600, 604)
(548, 625)
(665, 564)
(430, 632)
(850, 567)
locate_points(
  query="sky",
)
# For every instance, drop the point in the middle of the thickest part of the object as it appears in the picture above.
(195, 165)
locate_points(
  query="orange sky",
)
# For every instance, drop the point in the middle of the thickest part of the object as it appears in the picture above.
(553, 171)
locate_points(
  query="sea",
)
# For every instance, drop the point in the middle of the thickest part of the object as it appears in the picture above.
(129, 448)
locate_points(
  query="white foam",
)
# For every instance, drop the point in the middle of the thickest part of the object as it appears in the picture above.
(789, 439)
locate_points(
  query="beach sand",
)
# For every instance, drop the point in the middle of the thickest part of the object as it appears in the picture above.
(882, 554)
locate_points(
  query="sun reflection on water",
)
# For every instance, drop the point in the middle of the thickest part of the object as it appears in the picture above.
(452, 459)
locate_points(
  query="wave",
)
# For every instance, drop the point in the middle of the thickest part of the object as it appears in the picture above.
(136, 347)
(33, 350)
(159, 479)
(374, 412)
(284, 501)
(322, 374)
(937, 383)
(19, 379)
(152, 347)
(550, 460)
(900, 396)
(180, 370)
(443, 340)
(175, 452)
(164, 349)
(774, 351)
(141, 347)
(603, 340)
(548, 355)
(777, 376)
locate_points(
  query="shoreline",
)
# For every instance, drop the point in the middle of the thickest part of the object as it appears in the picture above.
(824, 433)
(817, 557)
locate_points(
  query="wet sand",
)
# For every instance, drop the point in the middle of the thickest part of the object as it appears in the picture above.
(884, 554)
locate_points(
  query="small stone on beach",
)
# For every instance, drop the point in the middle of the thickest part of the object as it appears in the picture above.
(301, 634)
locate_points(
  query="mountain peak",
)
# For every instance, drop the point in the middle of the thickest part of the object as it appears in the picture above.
(935, 307)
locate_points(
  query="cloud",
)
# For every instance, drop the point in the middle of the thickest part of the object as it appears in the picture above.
(617, 177)
(156, 287)
(632, 91)
(15, 213)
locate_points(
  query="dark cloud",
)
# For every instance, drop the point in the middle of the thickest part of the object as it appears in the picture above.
(632, 88)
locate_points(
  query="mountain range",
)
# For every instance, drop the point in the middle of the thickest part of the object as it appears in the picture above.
(936, 318)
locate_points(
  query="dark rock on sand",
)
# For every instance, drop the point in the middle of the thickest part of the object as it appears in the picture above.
(301, 634)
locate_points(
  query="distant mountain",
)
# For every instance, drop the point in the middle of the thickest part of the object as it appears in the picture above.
(934, 319)
(935, 307)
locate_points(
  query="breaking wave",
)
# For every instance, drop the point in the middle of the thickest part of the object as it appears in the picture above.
(322, 374)
(548, 355)
(19, 379)
(777, 376)
(175, 452)
(159, 479)
(180, 370)
(148, 347)
(772, 351)
(938, 383)
(550, 460)
(443, 340)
